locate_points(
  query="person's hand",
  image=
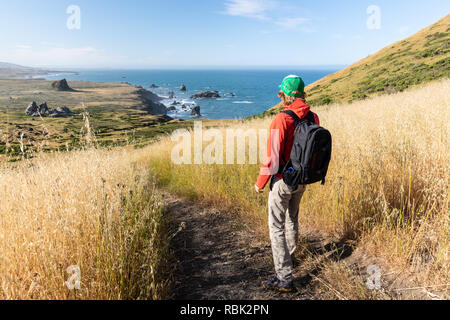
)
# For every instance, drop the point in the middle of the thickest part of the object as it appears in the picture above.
(258, 190)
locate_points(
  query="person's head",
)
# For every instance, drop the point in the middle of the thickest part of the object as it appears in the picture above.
(292, 88)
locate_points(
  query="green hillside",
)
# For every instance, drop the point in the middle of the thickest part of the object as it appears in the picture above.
(418, 59)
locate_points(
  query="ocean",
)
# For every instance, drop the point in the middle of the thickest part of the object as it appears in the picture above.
(243, 92)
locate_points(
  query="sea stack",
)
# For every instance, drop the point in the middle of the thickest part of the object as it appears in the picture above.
(206, 94)
(196, 111)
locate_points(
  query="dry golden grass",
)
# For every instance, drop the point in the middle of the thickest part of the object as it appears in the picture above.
(96, 209)
(387, 187)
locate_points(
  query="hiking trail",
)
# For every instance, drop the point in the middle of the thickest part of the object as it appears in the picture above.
(220, 258)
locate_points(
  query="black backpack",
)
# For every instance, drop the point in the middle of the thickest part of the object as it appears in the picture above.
(310, 155)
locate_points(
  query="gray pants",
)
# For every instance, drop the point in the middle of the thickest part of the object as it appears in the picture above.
(283, 225)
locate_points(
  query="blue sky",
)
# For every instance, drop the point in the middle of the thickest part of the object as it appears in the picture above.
(205, 33)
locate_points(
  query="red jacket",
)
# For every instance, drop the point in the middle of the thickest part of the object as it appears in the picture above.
(282, 150)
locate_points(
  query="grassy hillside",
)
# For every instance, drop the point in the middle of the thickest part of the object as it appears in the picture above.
(418, 59)
(117, 115)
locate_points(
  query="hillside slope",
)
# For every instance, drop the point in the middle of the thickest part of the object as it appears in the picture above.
(10, 70)
(11, 66)
(418, 59)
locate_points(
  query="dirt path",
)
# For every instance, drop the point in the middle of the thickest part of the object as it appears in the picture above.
(220, 258)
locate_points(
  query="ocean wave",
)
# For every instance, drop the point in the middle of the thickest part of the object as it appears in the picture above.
(187, 101)
(243, 102)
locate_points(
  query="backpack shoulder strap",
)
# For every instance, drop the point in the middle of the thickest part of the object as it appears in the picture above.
(293, 116)
(309, 117)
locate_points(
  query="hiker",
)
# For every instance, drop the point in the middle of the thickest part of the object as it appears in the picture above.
(284, 202)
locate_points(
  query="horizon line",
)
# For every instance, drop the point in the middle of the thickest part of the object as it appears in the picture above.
(218, 67)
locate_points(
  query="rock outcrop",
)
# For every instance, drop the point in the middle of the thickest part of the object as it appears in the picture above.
(196, 111)
(154, 86)
(33, 110)
(61, 85)
(206, 94)
(183, 88)
(63, 109)
(43, 110)
(171, 94)
(61, 112)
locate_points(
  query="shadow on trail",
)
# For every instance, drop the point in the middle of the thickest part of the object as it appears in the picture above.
(219, 259)
(321, 250)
